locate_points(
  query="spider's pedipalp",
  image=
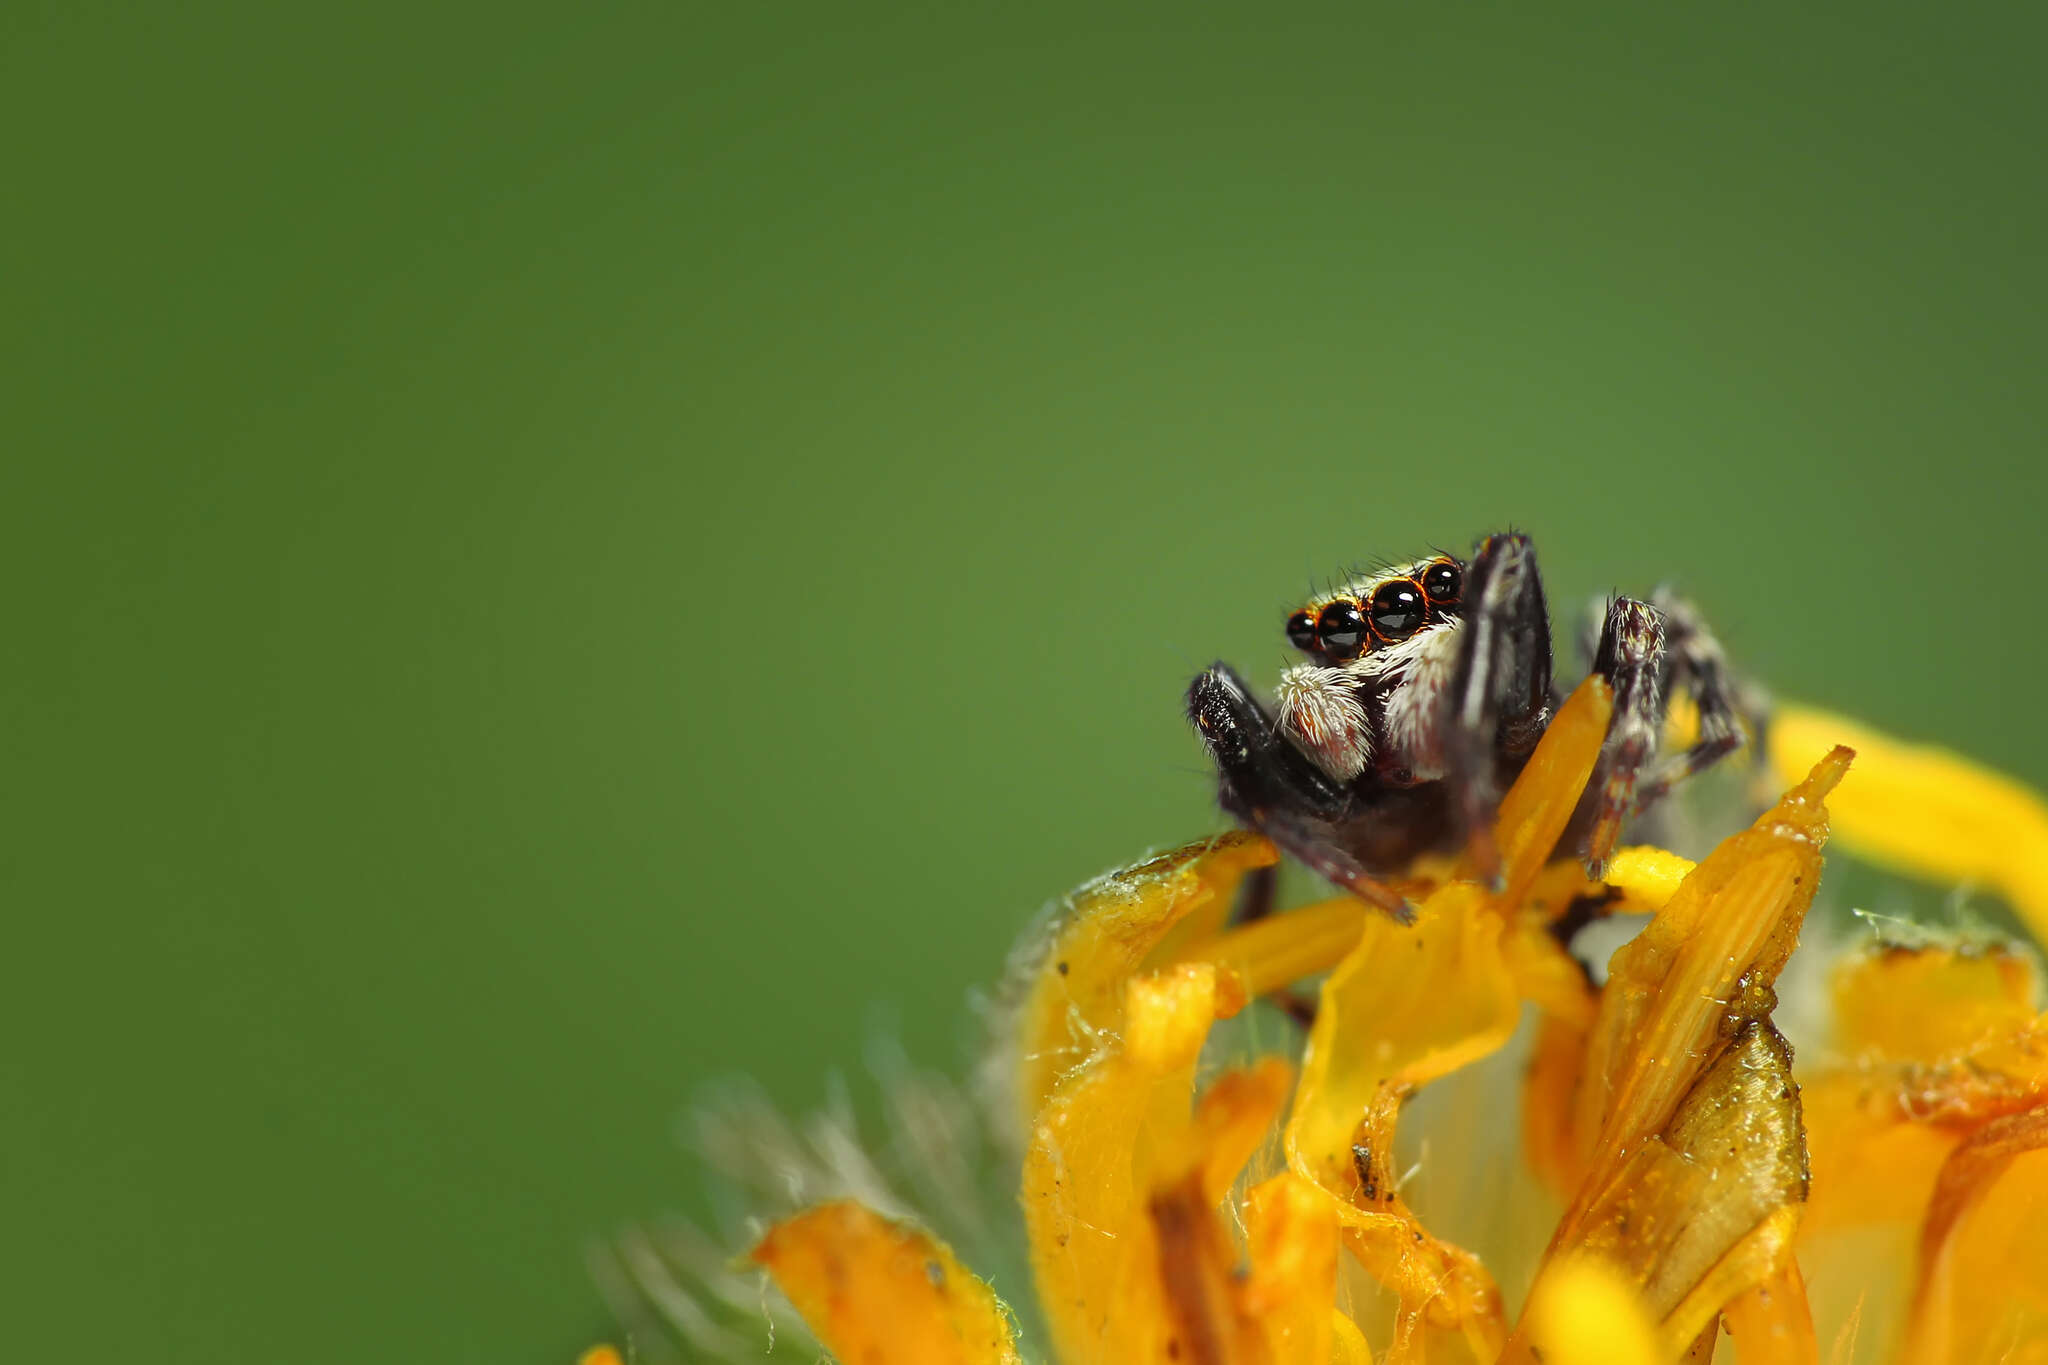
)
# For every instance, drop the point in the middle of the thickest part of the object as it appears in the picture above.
(1321, 712)
(1274, 788)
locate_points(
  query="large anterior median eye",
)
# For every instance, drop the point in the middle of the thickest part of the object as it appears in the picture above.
(1398, 610)
(1340, 630)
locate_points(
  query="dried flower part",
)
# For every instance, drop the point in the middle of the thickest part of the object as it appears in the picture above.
(1238, 1222)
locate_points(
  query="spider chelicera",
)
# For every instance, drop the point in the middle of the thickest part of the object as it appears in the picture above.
(1426, 689)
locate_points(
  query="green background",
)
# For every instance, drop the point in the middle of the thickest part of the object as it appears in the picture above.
(556, 553)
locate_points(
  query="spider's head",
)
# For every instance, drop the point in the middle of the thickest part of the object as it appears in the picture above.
(1385, 609)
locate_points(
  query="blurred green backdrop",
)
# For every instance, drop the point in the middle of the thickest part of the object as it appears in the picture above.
(557, 552)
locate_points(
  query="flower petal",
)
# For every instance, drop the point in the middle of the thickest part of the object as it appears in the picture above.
(1688, 1122)
(1708, 958)
(1121, 1192)
(1407, 1006)
(1926, 811)
(1983, 1288)
(878, 1292)
(1586, 1314)
(1291, 1287)
(1107, 931)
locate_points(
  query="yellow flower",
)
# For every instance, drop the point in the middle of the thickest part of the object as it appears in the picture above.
(1663, 1178)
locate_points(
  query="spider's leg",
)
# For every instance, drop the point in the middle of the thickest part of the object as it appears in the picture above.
(1729, 710)
(1500, 692)
(1273, 788)
(1256, 894)
(1630, 656)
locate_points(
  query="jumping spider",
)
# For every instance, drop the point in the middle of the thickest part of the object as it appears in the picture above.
(1427, 688)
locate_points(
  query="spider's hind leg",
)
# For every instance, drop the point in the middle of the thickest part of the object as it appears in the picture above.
(1272, 787)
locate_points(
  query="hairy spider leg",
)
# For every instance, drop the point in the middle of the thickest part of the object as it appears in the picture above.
(1630, 656)
(1257, 894)
(1273, 788)
(1500, 693)
(1726, 706)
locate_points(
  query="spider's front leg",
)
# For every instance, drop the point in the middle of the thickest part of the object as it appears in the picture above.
(1730, 711)
(1272, 787)
(1500, 690)
(1630, 656)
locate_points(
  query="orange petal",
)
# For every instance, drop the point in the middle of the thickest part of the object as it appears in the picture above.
(878, 1292)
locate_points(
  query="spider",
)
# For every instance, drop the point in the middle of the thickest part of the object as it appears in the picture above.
(1426, 689)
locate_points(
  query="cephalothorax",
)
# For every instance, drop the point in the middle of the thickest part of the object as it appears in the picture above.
(1425, 691)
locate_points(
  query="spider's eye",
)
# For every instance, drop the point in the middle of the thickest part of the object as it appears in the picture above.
(1398, 610)
(1442, 582)
(1301, 631)
(1340, 630)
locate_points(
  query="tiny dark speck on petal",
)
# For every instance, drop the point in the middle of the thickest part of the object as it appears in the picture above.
(936, 1273)
(1063, 969)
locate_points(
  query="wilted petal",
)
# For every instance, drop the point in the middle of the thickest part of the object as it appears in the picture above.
(1688, 1121)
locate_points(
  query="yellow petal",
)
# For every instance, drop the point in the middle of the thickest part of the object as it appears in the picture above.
(878, 1292)
(1122, 1185)
(601, 1355)
(1983, 1287)
(1688, 1120)
(1107, 931)
(1348, 1345)
(1929, 1003)
(1539, 805)
(1407, 1006)
(1928, 812)
(1772, 1324)
(1586, 1314)
(1708, 957)
(1113, 1128)
(1939, 1041)
(1291, 1246)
